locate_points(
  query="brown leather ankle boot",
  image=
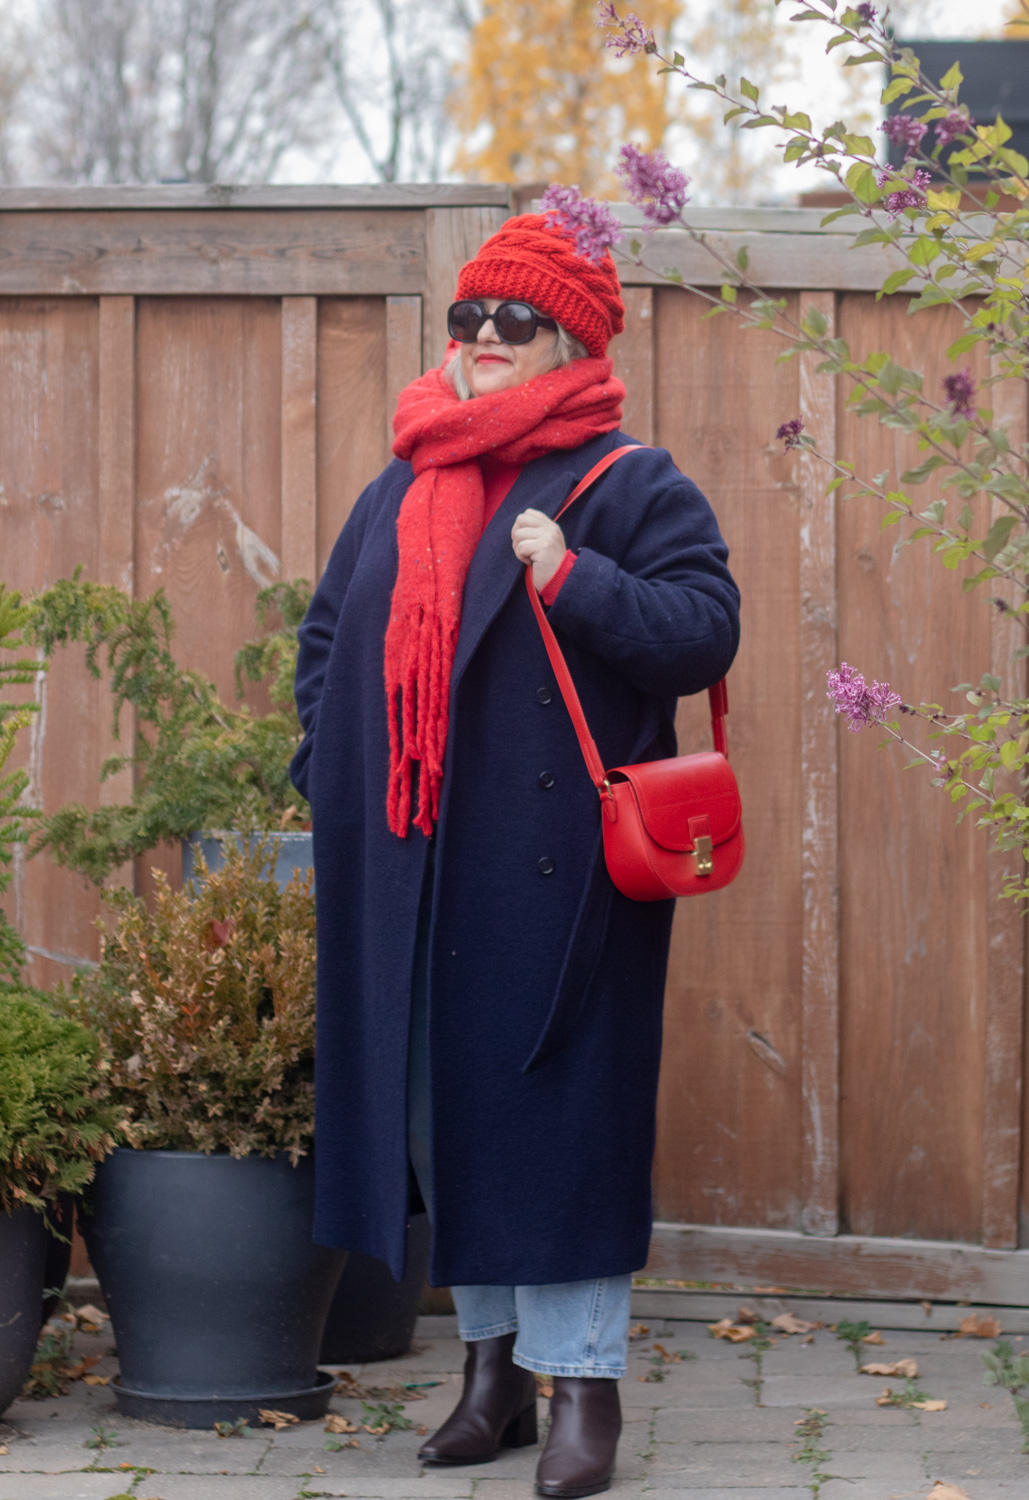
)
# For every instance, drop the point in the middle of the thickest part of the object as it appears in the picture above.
(497, 1408)
(585, 1424)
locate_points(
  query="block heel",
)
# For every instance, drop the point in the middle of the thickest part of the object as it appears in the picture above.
(520, 1432)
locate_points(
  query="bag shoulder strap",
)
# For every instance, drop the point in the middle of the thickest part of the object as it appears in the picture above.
(717, 694)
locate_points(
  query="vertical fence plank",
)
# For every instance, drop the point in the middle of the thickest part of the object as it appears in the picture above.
(913, 940)
(1005, 934)
(403, 352)
(633, 355)
(820, 990)
(299, 440)
(116, 421)
(352, 446)
(729, 1145)
(452, 236)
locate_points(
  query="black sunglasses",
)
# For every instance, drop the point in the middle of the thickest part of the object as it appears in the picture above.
(513, 322)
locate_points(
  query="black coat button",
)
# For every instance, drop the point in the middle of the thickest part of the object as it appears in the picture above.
(544, 695)
(546, 866)
(546, 780)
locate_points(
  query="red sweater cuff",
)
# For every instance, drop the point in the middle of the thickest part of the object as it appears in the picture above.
(549, 592)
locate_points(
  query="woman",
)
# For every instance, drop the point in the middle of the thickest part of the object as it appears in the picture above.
(489, 1007)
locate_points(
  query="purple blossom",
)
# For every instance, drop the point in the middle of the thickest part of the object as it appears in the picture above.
(629, 36)
(789, 433)
(866, 12)
(860, 704)
(906, 131)
(654, 182)
(960, 391)
(909, 197)
(952, 125)
(592, 224)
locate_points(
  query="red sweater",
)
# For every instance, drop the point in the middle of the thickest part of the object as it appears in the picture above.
(497, 478)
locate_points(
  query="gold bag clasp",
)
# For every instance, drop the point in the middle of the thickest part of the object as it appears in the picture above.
(703, 856)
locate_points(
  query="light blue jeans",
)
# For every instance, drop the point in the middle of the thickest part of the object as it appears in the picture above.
(564, 1328)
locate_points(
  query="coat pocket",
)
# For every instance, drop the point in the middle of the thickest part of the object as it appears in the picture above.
(582, 958)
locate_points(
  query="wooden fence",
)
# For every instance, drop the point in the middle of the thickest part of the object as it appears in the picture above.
(196, 384)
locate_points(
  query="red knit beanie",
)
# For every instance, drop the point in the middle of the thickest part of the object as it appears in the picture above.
(534, 263)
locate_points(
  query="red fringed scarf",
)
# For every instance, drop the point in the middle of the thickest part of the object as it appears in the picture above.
(438, 529)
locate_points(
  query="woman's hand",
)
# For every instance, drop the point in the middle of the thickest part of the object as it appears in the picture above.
(538, 540)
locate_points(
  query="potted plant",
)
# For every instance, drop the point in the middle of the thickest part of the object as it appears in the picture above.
(200, 764)
(200, 1229)
(56, 1123)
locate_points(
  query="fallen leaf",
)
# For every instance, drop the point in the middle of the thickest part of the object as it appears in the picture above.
(886, 1399)
(276, 1419)
(727, 1329)
(929, 1405)
(336, 1422)
(974, 1327)
(317, 1469)
(927, 1308)
(747, 1315)
(4, 1449)
(873, 1338)
(639, 1331)
(809, 1340)
(788, 1323)
(376, 1431)
(941, 1490)
(907, 1369)
(769, 1291)
(545, 1385)
(96, 1379)
(90, 1314)
(422, 1431)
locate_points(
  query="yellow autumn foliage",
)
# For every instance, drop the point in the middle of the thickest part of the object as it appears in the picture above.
(555, 103)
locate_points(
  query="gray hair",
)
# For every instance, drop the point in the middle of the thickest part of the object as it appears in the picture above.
(566, 348)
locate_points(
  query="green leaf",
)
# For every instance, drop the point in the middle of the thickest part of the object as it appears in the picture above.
(964, 343)
(796, 120)
(635, 246)
(795, 148)
(815, 323)
(895, 281)
(924, 251)
(728, 292)
(953, 78)
(730, 114)
(1010, 756)
(748, 90)
(742, 258)
(896, 89)
(838, 213)
(860, 179)
(997, 537)
(866, 57)
(859, 145)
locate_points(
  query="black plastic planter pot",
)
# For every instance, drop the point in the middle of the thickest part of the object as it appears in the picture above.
(23, 1247)
(216, 1292)
(372, 1316)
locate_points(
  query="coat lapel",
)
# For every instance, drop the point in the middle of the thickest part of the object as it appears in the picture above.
(543, 485)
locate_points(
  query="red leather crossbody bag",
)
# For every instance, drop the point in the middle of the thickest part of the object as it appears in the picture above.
(671, 827)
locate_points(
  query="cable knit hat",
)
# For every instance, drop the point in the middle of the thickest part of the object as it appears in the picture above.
(528, 260)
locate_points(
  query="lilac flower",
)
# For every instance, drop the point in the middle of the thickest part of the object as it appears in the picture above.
(866, 12)
(654, 182)
(906, 131)
(592, 224)
(860, 704)
(629, 36)
(952, 125)
(789, 433)
(909, 197)
(960, 391)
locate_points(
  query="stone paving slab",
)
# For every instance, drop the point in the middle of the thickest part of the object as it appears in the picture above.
(694, 1431)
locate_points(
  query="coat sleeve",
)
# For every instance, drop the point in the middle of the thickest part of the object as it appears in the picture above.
(667, 614)
(318, 630)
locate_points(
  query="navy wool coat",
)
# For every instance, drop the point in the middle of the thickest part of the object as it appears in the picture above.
(545, 984)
